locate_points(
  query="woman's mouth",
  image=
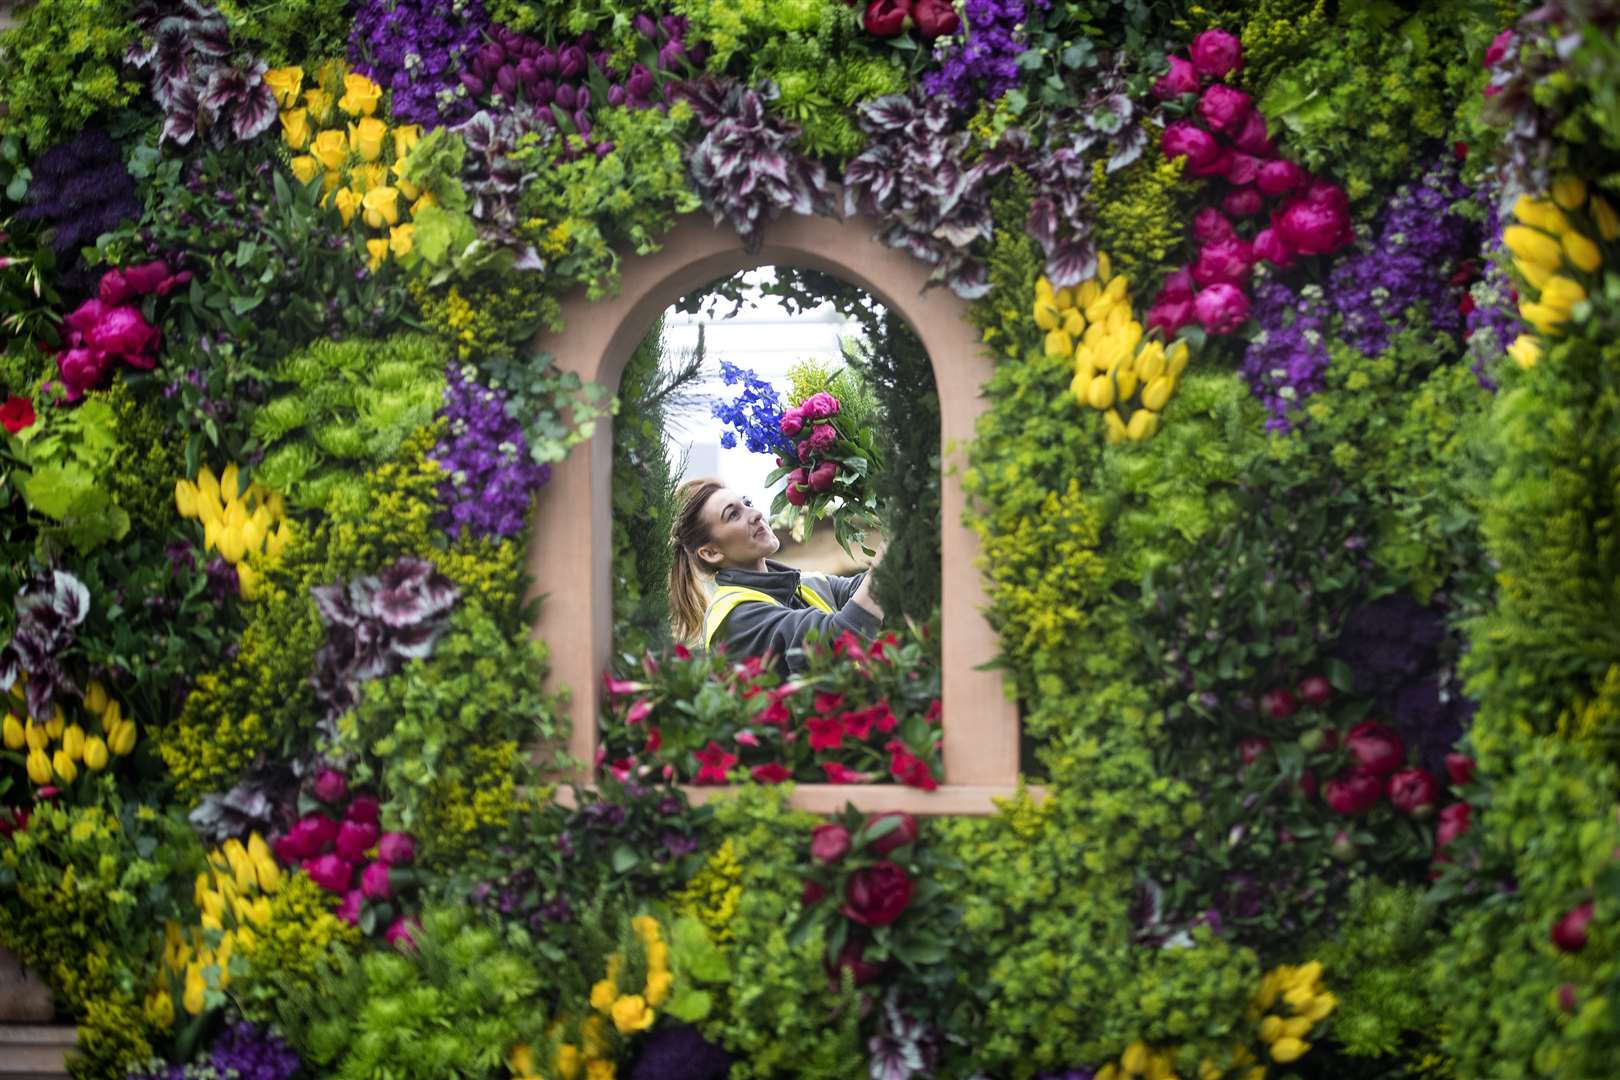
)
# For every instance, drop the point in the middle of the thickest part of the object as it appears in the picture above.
(759, 533)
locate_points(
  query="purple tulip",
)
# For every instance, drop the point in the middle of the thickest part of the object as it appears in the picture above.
(616, 96)
(582, 122)
(641, 83)
(527, 72)
(583, 102)
(543, 92)
(506, 82)
(571, 62)
(567, 97)
(645, 26)
(492, 54)
(672, 53)
(545, 61)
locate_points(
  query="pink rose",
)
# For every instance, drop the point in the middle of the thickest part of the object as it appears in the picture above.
(331, 786)
(1313, 228)
(124, 332)
(402, 931)
(1242, 169)
(1184, 138)
(1499, 48)
(1210, 225)
(1252, 137)
(1169, 316)
(1216, 53)
(355, 838)
(1216, 166)
(819, 406)
(1280, 177)
(81, 370)
(823, 438)
(1224, 108)
(1270, 247)
(821, 477)
(397, 848)
(374, 881)
(330, 872)
(1244, 202)
(1182, 78)
(349, 910)
(364, 808)
(1178, 286)
(1226, 261)
(792, 422)
(1221, 308)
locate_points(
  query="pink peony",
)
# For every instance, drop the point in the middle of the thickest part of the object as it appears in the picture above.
(397, 848)
(1270, 247)
(1280, 177)
(822, 476)
(330, 872)
(1182, 78)
(792, 422)
(310, 836)
(1251, 138)
(1224, 108)
(402, 931)
(819, 406)
(1244, 202)
(123, 331)
(1221, 308)
(795, 495)
(374, 881)
(81, 370)
(1216, 166)
(1216, 53)
(1178, 286)
(1210, 225)
(822, 438)
(117, 286)
(364, 808)
(83, 318)
(1169, 316)
(331, 786)
(1242, 169)
(349, 910)
(355, 838)
(1226, 261)
(1186, 138)
(1310, 228)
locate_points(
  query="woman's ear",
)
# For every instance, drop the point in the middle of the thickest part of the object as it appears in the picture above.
(709, 558)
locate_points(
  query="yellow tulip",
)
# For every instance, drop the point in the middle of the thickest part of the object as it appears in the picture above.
(1608, 221)
(1532, 246)
(1534, 273)
(230, 485)
(658, 956)
(196, 990)
(1284, 1051)
(1176, 357)
(1271, 1028)
(1086, 293)
(159, 1009)
(567, 1061)
(95, 697)
(36, 736)
(39, 767)
(319, 104)
(73, 742)
(599, 1069)
(284, 83)
(121, 739)
(1143, 426)
(1104, 267)
(295, 128)
(1074, 322)
(1150, 362)
(1043, 289)
(95, 753)
(16, 737)
(1582, 252)
(1526, 351)
(1156, 394)
(1046, 316)
(56, 724)
(381, 206)
(1298, 1027)
(1100, 394)
(1562, 292)
(1109, 1071)
(331, 148)
(401, 238)
(208, 487)
(347, 201)
(1059, 345)
(1124, 382)
(329, 181)
(1135, 1057)
(1063, 299)
(1541, 213)
(406, 136)
(360, 95)
(305, 168)
(378, 249)
(630, 1014)
(521, 1059)
(1545, 319)
(1158, 1067)
(1569, 192)
(63, 766)
(1323, 1005)
(367, 138)
(111, 713)
(185, 498)
(264, 862)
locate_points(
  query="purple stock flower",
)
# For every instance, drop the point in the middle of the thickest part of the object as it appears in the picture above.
(489, 476)
(1286, 360)
(679, 1052)
(419, 49)
(984, 62)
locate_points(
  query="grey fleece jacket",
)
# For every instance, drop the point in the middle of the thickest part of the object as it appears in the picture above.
(752, 629)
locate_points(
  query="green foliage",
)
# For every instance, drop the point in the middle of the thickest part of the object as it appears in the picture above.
(1274, 33)
(64, 65)
(304, 32)
(286, 957)
(1139, 216)
(67, 459)
(343, 405)
(1368, 97)
(1015, 263)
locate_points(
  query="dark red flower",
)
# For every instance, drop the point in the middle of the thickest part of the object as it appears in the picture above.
(1278, 704)
(903, 834)
(908, 768)
(1460, 767)
(934, 18)
(823, 475)
(1376, 747)
(1454, 821)
(813, 892)
(773, 772)
(1569, 933)
(1353, 793)
(1251, 749)
(1315, 691)
(886, 19)
(715, 762)
(17, 413)
(1413, 791)
(829, 843)
(877, 895)
(826, 732)
(842, 774)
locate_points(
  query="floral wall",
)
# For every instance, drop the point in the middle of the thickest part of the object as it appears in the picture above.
(1297, 493)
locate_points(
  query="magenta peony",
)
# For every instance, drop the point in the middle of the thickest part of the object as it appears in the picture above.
(1210, 225)
(1252, 138)
(330, 872)
(81, 370)
(364, 808)
(402, 931)
(397, 849)
(124, 332)
(1270, 247)
(1413, 791)
(1178, 286)
(1242, 169)
(1182, 78)
(331, 786)
(309, 836)
(82, 319)
(1224, 108)
(796, 491)
(1310, 228)
(355, 838)
(1216, 166)
(1244, 202)
(792, 422)
(1184, 138)
(1221, 308)
(829, 843)
(904, 833)
(374, 881)
(934, 18)
(822, 476)
(349, 910)
(1168, 316)
(1355, 793)
(1280, 177)
(1226, 261)
(1376, 747)
(819, 406)
(822, 438)
(1216, 53)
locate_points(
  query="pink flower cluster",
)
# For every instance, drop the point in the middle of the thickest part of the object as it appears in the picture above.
(107, 327)
(331, 850)
(1228, 143)
(812, 477)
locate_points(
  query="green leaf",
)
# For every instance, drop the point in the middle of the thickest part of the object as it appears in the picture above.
(689, 1004)
(624, 859)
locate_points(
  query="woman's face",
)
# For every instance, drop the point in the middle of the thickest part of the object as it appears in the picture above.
(738, 535)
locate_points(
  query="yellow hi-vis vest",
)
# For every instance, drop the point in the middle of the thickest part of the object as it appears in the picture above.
(727, 597)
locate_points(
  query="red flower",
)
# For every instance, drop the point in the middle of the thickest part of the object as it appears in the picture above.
(776, 713)
(1460, 767)
(885, 19)
(1355, 793)
(715, 762)
(1186, 138)
(17, 413)
(858, 725)
(877, 895)
(1228, 261)
(934, 18)
(903, 834)
(843, 774)
(639, 712)
(1569, 932)
(828, 703)
(1224, 108)
(1182, 78)
(655, 741)
(847, 644)
(1279, 177)
(908, 768)
(829, 843)
(935, 711)
(1453, 823)
(1413, 791)
(1251, 749)
(826, 732)
(773, 772)
(1216, 53)
(813, 892)
(1376, 747)
(823, 475)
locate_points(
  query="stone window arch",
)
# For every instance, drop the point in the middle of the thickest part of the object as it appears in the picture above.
(571, 544)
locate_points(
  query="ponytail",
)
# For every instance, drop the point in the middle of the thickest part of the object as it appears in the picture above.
(688, 601)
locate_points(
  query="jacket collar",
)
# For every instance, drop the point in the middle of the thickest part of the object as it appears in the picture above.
(778, 581)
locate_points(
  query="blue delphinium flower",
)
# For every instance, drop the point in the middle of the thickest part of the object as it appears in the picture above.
(755, 414)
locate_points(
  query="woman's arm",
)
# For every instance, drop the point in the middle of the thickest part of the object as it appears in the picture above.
(857, 588)
(754, 629)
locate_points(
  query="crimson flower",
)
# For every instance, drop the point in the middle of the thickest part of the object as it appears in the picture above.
(826, 732)
(773, 772)
(843, 774)
(17, 413)
(715, 762)
(908, 768)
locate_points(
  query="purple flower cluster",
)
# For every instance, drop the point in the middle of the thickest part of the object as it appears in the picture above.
(490, 476)
(680, 1052)
(1492, 322)
(755, 414)
(985, 65)
(1286, 360)
(244, 1052)
(80, 189)
(418, 49)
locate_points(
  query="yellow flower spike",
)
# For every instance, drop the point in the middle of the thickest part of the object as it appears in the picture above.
(159, 1009)
(1545, 319)
(258, 912)
(331, 148)
(567, 1061)
(73, 742)
(631, 1015)
(360, 95)
(1582, 252)
(401, 238)
(185, 498)
(63, 766)
(1284, 1051)
(406, 136)
(378, 250)
(56, 724)
(1135, 1057)
(602, 995)
(1143, 426)
(1059, 345)
(201, 887)
(285, 82)
(347, 201)
(16, 735)
(367, 138)
(1100, 394)
(1074, 322)
(1608, 221)
(295, 131)
(646, 928)
(305, 168)
(39, 767)
(1046, 315)
(381, 206)
(659, 985)
(1321, 1008)
(1569, 192)
(319, 104)
(1532, 246)
(1540, 213)
(1562, 292)
(593, 1036)
(36, 736)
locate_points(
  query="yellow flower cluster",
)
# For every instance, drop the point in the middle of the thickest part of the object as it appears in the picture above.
(110, 733)
(1115, 366)
(234, 895)
(1556, 258)
(1290, 1002)
(345, 146)
(714, 893)
(236, 523)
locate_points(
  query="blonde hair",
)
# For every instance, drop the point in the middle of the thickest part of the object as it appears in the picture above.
(688, 601)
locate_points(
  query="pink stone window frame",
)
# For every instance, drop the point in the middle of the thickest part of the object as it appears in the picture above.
(571, 545)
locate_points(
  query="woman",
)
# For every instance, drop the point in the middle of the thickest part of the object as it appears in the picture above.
(757, 606)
